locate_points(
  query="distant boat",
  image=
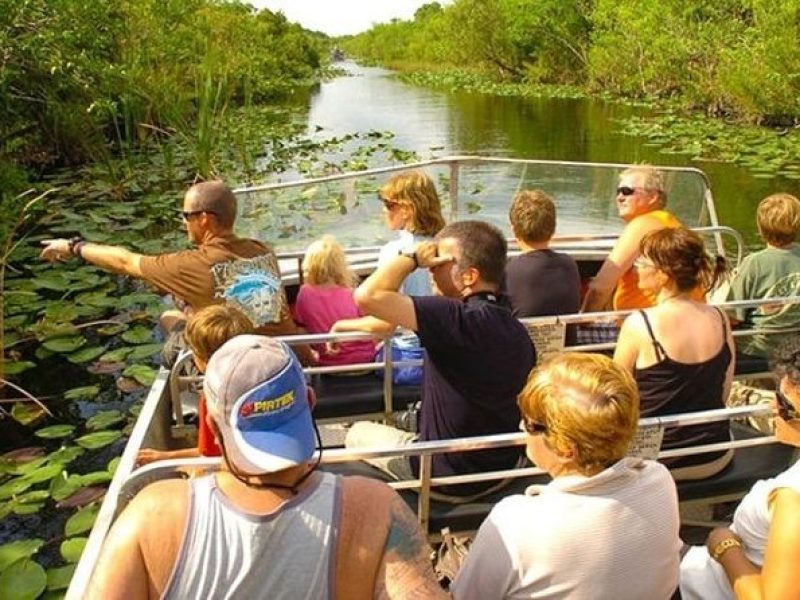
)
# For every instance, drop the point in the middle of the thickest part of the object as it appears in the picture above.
(337, 54)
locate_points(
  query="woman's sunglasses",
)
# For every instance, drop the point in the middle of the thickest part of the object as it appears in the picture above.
(786, 409)
(533, 427)
(388, 204)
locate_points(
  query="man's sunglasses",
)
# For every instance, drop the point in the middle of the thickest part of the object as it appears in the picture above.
(786, 409)
(190, 213)
(533, 427)
(624, 190)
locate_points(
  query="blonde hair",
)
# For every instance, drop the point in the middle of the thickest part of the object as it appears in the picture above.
(652, 180)
(589, 405)
(417, 190)
(209, 328)
(325, 263)
(778, 219)
(533, 216)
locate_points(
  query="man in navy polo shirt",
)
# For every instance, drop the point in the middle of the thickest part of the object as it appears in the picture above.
(478, 355)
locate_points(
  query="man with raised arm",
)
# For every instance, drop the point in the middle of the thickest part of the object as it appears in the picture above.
(641, 197)
(268, 524)
(223, 268)
(477, 354)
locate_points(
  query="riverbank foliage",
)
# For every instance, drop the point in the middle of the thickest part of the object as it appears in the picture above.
(84, 81)
(732, 58)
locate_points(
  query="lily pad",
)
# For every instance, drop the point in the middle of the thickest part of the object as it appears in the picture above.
(58, 579)
(23, 580)
(71, 549)
(15, 367)
(138, 335)
(98, 439)
(45, 473)
(26, 413)
(83, 496)
(28, 509)
(113, 464)
(32, 497)
(65, 455)
(54, 432)
(126, 385)
(63, 487)
(82, 520)
(109, 330)
(54, 280)
(144, 351)
(14, 487)
(23, 455)
(86, 392)
(14, 551)
(104, 419)
(85, 355)
(95, 477)
(105, 368)
(141, 373)
(64, 345)
(117, 355)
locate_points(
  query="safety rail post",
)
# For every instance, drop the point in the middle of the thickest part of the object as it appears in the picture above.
(453, 189)
(388, 404)
(424, 500)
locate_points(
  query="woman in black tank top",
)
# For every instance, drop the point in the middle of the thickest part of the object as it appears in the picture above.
(680, 351)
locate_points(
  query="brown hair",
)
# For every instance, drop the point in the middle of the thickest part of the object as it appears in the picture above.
(778, 219)
(417, 190)
(216, 198)
(325, 263)
(533, 216)
(681, 254)
(588, 403)
(209, 328)
(482, 246)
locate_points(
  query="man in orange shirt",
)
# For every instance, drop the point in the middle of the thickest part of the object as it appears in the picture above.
(641, 198)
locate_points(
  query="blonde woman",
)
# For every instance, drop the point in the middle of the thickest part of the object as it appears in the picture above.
(607, 525)
(681, 350)
(325, 297)
(411, 207)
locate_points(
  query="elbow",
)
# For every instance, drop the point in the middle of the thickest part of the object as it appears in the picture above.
(364, 299)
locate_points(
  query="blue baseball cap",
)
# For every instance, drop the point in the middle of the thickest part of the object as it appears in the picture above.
(256, 392)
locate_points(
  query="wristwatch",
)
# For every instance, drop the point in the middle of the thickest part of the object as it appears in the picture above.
(723, 546)
(412, 254)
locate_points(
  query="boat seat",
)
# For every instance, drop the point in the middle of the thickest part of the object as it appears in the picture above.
(748, 466)
(347, 396)
(747, 364)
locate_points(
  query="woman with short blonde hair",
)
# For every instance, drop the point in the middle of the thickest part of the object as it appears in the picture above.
(607, 525)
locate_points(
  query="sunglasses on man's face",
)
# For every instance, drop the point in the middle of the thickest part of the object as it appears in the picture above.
(533, 427)
(786, 409)
(626, 191)
(188, 214)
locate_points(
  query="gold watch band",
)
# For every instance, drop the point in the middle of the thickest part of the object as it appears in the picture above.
(723, 546)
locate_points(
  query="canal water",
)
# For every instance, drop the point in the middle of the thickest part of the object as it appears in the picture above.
(436, 123)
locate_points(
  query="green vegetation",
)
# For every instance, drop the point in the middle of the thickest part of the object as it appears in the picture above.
(732, 58)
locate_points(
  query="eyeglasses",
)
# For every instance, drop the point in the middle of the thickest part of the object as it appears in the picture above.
(388, 204)
(533, 427)
(625, 190)
(786, 409)
(190, 213)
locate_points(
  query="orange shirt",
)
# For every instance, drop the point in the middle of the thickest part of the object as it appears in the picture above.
(628, 295)
(206, 442)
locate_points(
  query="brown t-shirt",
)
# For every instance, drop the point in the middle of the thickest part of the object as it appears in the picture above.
(237, 271)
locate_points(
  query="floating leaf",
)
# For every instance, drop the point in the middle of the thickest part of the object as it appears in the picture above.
(141, 373)
(104, 419)
(45, 473)
(14, 487)
(46, 330)
(15, 367)
(63, 487)
(64, 345)
(29, 467)
(98, 439)
(63, 312)
(138, 335)
(85, 355)
(23, 580)
(109, 330)
(34, 496)
(58, 579)
(113, 464)
(82, 520)
(144, 351)
(54, 432)
(105, 368)
(14, 551)
(117, 355)
(55, 281)
(43, 353)
(71, 549)
(82, 497)
(6, 508)
(65, 455)
(95, 477)
(26, 413)
(86, 392)
(23, 455)
(126, 385)
(28, 509)
(96, 299)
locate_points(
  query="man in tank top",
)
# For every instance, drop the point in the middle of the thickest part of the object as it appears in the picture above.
(641, 197)
(268, 524)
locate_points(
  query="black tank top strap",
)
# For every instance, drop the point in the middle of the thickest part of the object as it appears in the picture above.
(724, 323)
(659, 349)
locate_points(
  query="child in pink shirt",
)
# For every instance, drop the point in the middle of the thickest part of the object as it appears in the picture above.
(326, 297)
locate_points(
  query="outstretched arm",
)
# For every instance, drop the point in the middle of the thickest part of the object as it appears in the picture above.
(405, 570)
(110, 258)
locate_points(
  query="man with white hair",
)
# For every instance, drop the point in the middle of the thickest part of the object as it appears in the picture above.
(268, 523)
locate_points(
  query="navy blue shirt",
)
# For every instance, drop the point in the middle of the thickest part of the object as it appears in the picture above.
(477, 360)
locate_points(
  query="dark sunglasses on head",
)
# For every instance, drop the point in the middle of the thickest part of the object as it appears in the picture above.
(533, 427)
(786, 409)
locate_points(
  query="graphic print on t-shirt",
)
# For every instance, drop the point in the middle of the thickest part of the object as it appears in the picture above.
(253, 285)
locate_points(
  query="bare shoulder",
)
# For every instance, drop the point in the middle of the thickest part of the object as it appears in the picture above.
(168, 493)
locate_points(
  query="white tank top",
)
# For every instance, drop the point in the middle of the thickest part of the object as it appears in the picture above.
(227, 553)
